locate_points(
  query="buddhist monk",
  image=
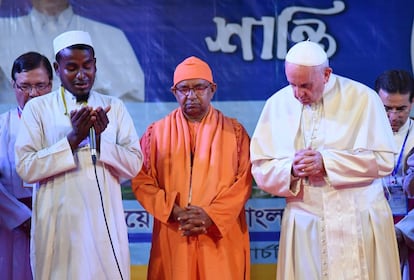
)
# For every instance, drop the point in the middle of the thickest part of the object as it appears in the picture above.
(195, 181)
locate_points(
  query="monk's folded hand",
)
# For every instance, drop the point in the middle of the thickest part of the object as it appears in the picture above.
(195, 221)
(189, 221)
(193, 229)
(178, 214)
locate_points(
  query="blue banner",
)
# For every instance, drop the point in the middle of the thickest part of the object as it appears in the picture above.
(263, 217)
(243, 41)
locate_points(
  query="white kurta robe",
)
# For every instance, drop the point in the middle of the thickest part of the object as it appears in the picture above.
(14, 243)
(399, 139)
(340, 226)
(70, 237)
(119, 72)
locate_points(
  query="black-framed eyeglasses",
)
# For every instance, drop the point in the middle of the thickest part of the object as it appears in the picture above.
(27, 88)
(199, 90)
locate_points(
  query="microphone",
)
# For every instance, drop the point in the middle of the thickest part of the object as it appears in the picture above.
(92, 143)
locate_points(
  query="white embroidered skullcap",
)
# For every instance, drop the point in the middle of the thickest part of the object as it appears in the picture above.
(306, 53)
(70, 38)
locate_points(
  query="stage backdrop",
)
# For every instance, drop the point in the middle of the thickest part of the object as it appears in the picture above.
(139, 43)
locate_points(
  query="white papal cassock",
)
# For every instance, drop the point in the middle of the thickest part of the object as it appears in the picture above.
(343, 219)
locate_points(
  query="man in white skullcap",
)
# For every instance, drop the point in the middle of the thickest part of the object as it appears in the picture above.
(323, 142)
(78, 144)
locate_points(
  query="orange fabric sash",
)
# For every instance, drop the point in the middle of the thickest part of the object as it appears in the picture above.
(215, 164)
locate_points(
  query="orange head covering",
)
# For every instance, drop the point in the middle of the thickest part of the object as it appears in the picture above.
(192, 68)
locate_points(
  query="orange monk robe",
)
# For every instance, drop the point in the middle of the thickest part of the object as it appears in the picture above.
(221, 184)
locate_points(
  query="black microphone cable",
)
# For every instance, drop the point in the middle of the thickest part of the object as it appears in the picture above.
(102, 204)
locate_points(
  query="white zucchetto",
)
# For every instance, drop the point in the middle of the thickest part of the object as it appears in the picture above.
(306, 53)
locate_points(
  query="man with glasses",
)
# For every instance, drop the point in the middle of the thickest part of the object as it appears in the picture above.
(195, 181)
(32, 76)
(396, 90)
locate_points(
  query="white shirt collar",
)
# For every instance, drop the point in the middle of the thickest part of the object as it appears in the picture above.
(41, 20)
(403, 130)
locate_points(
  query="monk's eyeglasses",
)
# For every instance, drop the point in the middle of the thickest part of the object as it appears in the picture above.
(199, 90)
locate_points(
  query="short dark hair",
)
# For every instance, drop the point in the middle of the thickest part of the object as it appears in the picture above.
(76, 47)
(29, 61)
(396, 80)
